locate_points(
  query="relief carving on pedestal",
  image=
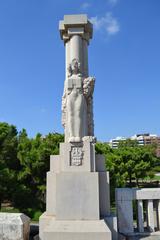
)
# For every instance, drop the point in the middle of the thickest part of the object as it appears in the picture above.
(76, 156)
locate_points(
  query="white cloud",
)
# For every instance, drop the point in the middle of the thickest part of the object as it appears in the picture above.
(108, 23)
(85, 5)
(112, 2)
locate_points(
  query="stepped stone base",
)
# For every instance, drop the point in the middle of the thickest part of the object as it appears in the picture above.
(77, 195)
(75, 230)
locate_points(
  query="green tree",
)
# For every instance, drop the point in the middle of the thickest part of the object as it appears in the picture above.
(34, 155)
(129, 162)
(9, 163)
(138, 161)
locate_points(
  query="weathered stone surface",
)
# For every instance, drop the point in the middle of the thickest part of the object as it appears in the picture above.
(44, 221)
(100, 163)
(77, 99)
(124, 201)
(14, 226)
(104, 194)
(77, 230)
(77, 184)
(86, 160)
(124, 197)
(148, 193)
(51, 193)
(111, 221)
(77, 196)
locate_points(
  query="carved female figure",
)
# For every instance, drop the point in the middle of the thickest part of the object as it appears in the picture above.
(74, 104)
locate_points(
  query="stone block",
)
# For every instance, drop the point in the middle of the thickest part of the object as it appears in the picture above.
(75, 19)
(77, 230)
(84, 161)
(44, 220)
(124, 194)
(55, 163)
(146, 194)
(111, 221)
(78, 21)
(14, 226)
(77, 196)
(51, 193)
(104, 194)
(124, 197)
(100, 163)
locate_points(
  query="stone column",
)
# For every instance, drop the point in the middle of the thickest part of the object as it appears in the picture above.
(76, 36)
(150, 215)
(140, 216)
(76, 48)
(158, 214)
(67, 59)
(77, 102)
(85, 57)
(124, 198)
(78, 204)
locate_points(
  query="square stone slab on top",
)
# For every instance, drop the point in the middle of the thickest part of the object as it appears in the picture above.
(75, 21)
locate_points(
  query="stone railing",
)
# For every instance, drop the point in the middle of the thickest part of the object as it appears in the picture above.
(146, 214)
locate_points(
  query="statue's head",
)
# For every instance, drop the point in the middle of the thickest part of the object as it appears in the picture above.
(74, 67)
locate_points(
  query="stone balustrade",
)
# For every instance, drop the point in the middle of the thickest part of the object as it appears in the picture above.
(146, 205)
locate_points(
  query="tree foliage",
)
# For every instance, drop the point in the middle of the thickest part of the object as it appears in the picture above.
(24, 162)
(9, 163)
(129, 162)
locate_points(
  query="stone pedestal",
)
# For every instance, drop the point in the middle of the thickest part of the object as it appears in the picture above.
(77, 195)
(76, 230)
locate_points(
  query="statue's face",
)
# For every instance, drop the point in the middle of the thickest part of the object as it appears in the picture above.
(75, 66)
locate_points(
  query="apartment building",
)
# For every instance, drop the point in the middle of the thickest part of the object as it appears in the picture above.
(142, 139)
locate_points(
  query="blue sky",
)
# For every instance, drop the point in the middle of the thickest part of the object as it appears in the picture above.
(124, 56)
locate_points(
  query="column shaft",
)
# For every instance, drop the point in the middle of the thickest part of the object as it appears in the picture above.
(76, 49)
(140, 216)
(85, 58)
(67, 47)
(150, 215)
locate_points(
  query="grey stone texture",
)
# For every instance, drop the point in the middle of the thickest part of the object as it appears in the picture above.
(124, 205)
(77, 196)
(77, 201)
(77, 230)
(14, 226)
(80, 193)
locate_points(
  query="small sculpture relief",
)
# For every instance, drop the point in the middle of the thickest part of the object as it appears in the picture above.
(76, 156)
(74, 67)
(88, 88)
(77, 104)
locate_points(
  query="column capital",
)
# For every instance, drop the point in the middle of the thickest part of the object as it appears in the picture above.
(75, 25)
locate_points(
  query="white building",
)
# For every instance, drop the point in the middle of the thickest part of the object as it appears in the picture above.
(142, 139)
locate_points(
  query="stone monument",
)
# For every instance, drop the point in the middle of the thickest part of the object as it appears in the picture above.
(78, 202)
